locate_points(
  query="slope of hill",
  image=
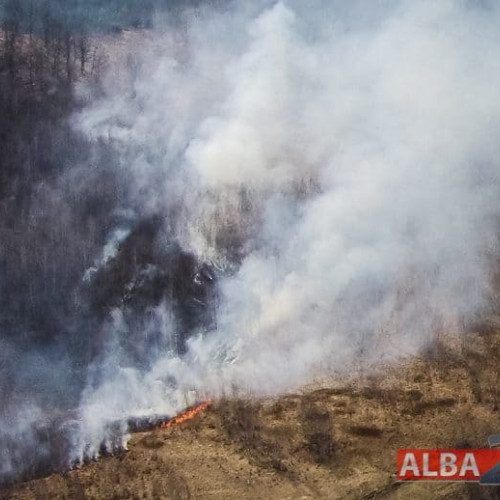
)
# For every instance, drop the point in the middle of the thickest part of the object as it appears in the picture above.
(333, 441)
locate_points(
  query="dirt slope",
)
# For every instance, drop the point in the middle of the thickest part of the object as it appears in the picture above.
(331, 442)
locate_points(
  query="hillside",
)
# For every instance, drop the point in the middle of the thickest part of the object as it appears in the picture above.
(278, 198)
(328, 442)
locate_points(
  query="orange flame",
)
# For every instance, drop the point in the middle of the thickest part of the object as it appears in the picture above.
(189, 414)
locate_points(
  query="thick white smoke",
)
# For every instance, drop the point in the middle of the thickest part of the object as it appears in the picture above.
(338, 160)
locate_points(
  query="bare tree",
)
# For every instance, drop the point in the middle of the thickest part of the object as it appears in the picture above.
(83, 46)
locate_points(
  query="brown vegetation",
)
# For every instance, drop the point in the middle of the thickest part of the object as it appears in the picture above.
(328, 442)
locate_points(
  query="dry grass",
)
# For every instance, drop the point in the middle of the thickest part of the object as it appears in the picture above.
(331, 442)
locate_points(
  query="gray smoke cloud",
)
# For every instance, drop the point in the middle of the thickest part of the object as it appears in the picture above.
(336, 161)
(332, 166)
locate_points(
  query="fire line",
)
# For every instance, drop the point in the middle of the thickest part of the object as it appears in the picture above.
(189, 414)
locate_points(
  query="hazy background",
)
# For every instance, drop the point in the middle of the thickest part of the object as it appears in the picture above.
(92, 15)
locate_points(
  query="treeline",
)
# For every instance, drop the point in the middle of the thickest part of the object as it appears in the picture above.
(49, 229)
(58, 192)
(40, 58)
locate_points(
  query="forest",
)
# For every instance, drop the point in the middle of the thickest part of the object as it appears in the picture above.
(59, 198)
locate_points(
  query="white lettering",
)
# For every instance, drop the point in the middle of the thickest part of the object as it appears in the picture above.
(469, 464)
(409, 465)
(448, 464)
(426, 471)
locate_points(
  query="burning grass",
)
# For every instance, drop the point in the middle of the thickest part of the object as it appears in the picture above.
(189, 414)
